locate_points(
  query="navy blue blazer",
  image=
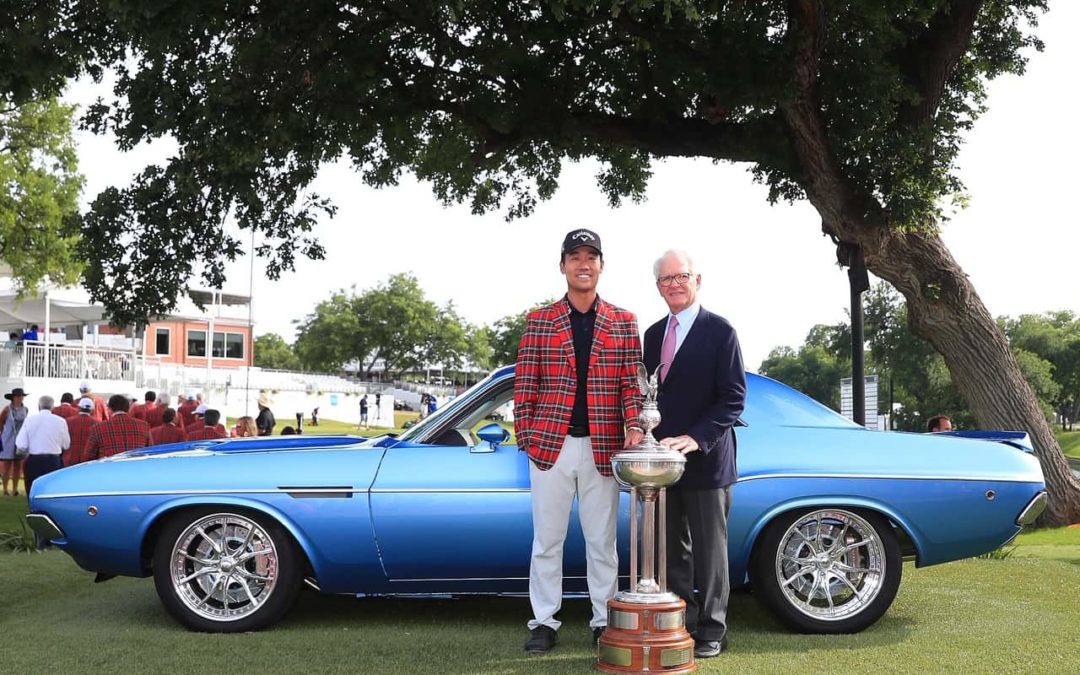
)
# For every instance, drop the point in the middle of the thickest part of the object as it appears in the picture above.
(702, 396)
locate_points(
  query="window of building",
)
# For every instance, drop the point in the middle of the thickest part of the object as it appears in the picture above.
(219, 345)
(162, 341)
(226, 345)
(234, 345)
(196, 343)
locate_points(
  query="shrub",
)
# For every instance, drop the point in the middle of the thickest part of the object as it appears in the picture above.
(18, 541)
(999, 553)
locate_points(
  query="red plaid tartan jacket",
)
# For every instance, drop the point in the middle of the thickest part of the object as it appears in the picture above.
(206, 433)
(65, 410)
(138, 411)
(153, 417)
(100, 412)
(185, 412)
(119, 433)
(167, 433)
(545, 382)
(79, 429)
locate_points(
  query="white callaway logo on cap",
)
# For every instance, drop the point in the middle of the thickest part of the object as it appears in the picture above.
(583, 235)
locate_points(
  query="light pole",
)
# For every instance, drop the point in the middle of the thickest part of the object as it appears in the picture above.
(851, 256)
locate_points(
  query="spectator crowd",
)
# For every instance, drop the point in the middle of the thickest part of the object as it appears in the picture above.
(87, 427)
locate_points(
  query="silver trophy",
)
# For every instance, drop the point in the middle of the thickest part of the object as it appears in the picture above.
(647, 468)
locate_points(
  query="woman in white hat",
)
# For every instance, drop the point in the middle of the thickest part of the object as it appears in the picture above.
(11, 420)
(265, 420)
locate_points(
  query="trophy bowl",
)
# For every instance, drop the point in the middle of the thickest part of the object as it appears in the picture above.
(654, 467)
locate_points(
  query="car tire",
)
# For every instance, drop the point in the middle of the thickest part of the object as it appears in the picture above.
(827, 570)
(226, 570)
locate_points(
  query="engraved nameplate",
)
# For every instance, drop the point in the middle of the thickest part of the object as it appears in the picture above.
(674, 657)
(616, 656)
(622, 620)
(670, 620)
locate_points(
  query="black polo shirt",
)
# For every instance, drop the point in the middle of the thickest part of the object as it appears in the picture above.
(582, 324)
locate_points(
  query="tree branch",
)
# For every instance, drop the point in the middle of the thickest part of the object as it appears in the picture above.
(843, 208)
(929, 60)
(737, 142)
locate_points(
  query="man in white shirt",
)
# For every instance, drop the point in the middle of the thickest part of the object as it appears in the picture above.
(44, 437)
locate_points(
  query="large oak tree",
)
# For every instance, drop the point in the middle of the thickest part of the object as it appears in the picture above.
(39, 193)
(858, 106)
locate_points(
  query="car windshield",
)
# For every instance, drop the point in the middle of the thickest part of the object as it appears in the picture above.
(771, 403)
(452, 408)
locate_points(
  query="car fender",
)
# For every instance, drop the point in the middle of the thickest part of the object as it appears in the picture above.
(151, 524)
(827, 501)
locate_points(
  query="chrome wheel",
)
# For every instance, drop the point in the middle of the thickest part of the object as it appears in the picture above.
(224, 567)
(827, 570)
(830, 564)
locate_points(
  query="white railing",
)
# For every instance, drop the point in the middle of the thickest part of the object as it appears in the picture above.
(74, 361)
(33, 359)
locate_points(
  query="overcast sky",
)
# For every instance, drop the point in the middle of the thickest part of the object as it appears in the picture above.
(769, 270)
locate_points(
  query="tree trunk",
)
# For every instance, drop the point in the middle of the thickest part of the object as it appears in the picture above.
(945, 310)
(943, 307)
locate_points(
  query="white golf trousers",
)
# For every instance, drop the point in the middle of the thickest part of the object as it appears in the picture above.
(553, 492)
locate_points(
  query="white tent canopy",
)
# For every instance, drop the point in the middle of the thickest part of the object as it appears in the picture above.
(16, 315)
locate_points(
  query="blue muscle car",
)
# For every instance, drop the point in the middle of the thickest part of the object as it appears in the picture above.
(824, 512)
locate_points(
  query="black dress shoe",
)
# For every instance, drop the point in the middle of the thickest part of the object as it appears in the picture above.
(541, 640)
(706, 649)
(596, 633)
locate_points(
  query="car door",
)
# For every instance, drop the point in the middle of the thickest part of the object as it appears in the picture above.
(452, 512)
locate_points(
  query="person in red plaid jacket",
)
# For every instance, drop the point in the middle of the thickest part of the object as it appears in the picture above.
(167, 431)
(576, 403)
(155, 416)
(67, 407)
(79, 428)
(209, 429)
(139, 410)
(120, 433)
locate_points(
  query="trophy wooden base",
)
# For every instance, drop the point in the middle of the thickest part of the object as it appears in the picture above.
(646, 638)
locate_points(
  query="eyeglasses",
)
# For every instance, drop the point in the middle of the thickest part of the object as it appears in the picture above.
(671, 279)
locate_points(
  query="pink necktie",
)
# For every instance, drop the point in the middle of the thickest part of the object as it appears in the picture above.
(667, 349)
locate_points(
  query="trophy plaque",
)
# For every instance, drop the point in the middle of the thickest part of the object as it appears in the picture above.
(646, 631)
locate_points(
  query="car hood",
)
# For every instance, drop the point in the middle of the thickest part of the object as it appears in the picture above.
(212, 465)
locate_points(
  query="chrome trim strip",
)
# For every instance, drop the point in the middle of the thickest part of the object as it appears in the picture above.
(446, 490)
(870, 476)
(241, 490)
(412, 581)
(44, 526)
(1033, 510)
(180, 491)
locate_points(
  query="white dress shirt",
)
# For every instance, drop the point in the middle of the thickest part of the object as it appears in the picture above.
(44, 434)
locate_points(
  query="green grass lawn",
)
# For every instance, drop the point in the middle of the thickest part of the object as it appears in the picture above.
(1070, 443)
(1016, 614)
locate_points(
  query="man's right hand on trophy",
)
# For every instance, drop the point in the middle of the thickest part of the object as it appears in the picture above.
(684, 444)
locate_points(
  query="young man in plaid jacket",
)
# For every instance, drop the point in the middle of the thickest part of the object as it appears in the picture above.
(576, 403)
(120, 433)
(79, 428)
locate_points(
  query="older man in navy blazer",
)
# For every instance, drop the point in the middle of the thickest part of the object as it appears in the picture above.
(702, 392)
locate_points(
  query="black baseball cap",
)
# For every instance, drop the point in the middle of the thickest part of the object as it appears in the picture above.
(582, 237)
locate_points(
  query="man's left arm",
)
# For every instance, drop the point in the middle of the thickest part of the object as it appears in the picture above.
(631, 393)
(729, 393)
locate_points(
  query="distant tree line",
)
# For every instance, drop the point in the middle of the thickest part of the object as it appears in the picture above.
(393, 324)
(911, 373)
